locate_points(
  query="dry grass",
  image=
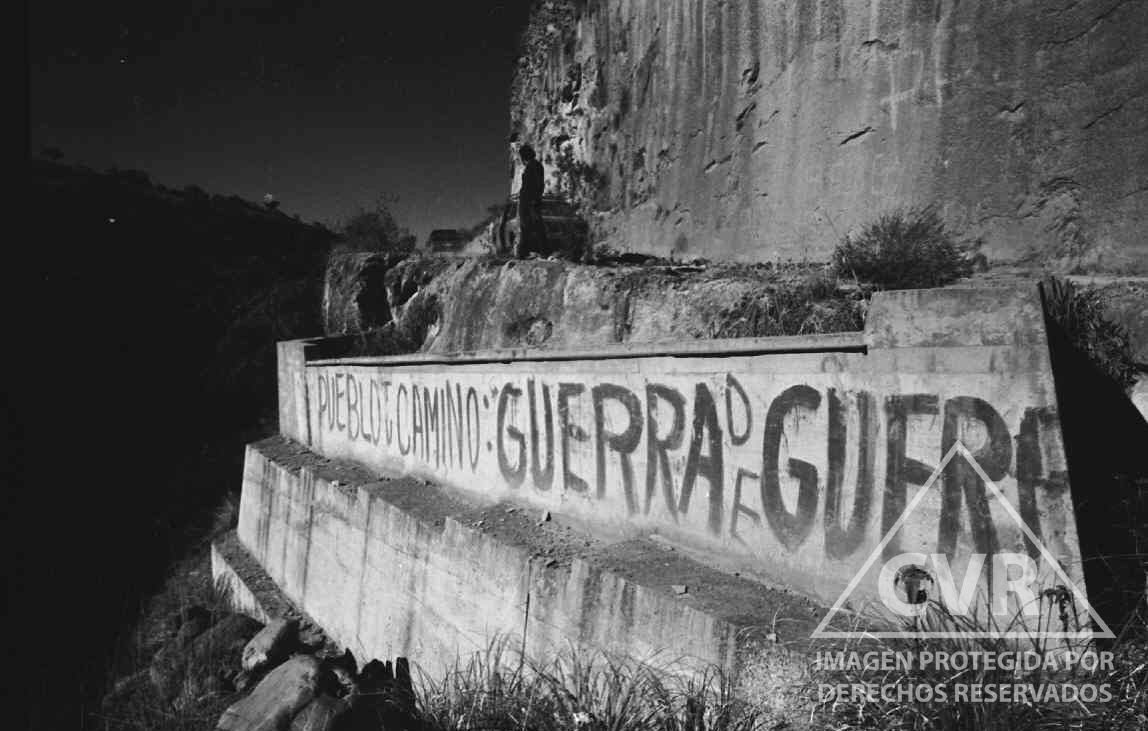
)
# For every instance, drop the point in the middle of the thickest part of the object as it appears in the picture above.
(132, 703)
(817, 303)
(1080, 313)
(498, 689)
(1126, 682)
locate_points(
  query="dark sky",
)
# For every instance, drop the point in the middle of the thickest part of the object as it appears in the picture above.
(326, 104)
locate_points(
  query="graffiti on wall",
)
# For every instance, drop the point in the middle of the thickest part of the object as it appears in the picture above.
(439, 423)
(726, 455)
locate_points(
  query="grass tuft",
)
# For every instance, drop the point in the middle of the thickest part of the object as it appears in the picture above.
(1080, 313)
(815, 304)
(1122, 706)
(586, 691)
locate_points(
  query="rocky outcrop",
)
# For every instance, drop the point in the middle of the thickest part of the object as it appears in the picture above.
(365, 290)
(354, 292)
(762, 131)
(323, 693)
(445, 306)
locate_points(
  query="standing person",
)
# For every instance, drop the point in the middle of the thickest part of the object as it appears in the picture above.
(532, 232)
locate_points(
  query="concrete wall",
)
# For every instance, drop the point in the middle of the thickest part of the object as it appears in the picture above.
(402, 568)
(789, 467)
(755, 130)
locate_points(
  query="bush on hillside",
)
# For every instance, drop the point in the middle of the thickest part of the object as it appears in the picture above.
(904, 249)
(375, 230)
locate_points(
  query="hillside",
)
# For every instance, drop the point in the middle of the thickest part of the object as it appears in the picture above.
(153, 316)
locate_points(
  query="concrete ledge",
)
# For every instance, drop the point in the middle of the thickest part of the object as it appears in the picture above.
(253, 591)
(400, 567)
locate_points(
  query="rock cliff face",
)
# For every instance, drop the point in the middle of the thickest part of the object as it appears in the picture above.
(755, 131)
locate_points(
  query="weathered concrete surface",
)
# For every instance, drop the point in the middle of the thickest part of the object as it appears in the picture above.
(255, 593)
(242, 596)
(787, 467)
(398, 567)
(755, 131)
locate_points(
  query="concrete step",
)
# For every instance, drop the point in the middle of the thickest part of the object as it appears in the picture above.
(253, 592)
(403, 567)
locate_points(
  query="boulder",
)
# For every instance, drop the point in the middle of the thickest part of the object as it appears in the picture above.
(271, 645)
(323, 713)
(339, 675)
(385, 698)
(277, 700)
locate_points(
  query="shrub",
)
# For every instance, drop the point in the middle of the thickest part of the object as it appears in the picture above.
(375, 229)
(904, 249)
(814, 305)
(1079, 313)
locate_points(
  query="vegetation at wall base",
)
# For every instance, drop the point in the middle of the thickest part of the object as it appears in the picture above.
(818, 303)
(581, 691)
(1080, 313)
(133, 701)
(1127, 680)
(904, 249)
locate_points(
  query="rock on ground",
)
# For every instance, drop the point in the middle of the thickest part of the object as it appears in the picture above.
(323, 713)
(277, 699)
(271, 645)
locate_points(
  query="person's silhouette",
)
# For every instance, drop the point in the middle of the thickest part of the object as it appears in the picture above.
(532, 232)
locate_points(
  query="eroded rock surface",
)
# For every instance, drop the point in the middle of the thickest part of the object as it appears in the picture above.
(455, 305)
(763, 131)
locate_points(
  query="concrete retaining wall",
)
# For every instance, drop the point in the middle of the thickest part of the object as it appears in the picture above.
(397, 567)
(789, 467)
